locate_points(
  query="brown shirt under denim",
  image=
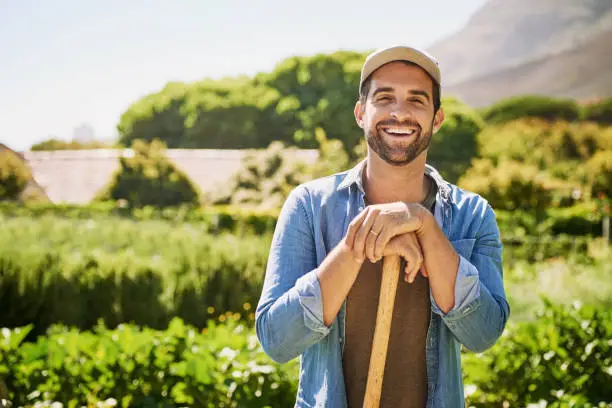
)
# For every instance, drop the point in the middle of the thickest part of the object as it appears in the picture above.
(405, 377)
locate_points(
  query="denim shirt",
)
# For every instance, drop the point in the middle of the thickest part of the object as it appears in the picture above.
(289, 316)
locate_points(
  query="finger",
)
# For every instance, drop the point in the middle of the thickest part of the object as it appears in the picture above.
(372, 239)
(416, 266)
(364, 230)
(370, 243)
(424, 270)
(354, 227)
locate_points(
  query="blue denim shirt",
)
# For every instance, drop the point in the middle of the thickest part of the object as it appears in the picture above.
(289, 316)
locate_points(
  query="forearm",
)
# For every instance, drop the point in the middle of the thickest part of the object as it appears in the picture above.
(336, 275)
(441, 262)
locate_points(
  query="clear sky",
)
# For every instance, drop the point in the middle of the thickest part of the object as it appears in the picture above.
(64, 63)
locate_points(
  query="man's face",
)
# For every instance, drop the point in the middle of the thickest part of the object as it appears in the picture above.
(398, 114)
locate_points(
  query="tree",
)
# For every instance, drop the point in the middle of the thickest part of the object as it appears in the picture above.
(14, 175)
(150, 178)
(455, 145)
(600, 173)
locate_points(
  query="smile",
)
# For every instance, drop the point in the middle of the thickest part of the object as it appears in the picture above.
(399, 131)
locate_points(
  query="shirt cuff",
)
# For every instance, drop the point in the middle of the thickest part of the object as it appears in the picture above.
(309, 294)
(467, 290)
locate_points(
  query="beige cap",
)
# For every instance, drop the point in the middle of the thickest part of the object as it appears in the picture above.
(400, 53)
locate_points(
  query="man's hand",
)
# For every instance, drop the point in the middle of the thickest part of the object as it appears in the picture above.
(371, 231)
(407, 246)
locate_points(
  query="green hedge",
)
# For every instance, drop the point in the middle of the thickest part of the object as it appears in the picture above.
(77, 271)
(220, 366)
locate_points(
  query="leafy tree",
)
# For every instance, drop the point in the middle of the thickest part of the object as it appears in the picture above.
(455, 145)
(14, 175)
(149, 178)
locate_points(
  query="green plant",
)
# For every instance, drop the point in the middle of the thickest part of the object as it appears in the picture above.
(150, 178)
(219, 366)
(566, 354)
(532, 106)
(14, 175)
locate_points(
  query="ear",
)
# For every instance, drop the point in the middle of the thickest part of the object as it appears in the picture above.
(438, 120)
(359, 110)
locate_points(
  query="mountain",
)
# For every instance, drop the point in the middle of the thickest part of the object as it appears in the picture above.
(508, 33)
(583, 72)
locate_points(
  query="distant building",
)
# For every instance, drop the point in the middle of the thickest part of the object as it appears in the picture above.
(76, 176)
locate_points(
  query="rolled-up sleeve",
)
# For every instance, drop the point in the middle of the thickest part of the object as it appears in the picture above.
(289, 315)
(481, 309)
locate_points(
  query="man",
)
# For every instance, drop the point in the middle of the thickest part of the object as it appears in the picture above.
(322, 281)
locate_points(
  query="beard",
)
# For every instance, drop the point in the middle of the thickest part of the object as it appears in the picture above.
(399, 153)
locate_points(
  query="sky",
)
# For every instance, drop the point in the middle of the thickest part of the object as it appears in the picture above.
(66, 64)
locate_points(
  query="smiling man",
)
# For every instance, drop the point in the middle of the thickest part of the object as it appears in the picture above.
(323, 275)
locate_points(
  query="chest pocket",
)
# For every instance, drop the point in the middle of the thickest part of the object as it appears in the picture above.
(464, 247)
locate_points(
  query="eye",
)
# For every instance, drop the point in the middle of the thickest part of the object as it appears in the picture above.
(417, 100)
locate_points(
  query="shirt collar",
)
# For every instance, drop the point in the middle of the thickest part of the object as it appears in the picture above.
(355, 176)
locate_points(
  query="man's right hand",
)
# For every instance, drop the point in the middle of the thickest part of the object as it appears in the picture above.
(407, 246)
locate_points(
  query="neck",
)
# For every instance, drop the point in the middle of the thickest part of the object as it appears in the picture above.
(385, 183)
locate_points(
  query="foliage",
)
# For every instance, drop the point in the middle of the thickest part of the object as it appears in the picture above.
(600, 173)
(78, 271)
(600, 112)
(564, 355)
(508, 186)
(265, 179)
(534, 106)
(287, 104)
(14, 175)
(150, 178)
(57, 144)
(455, 145)
(220, 366)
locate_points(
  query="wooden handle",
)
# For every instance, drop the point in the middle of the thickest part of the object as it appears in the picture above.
(388, 287)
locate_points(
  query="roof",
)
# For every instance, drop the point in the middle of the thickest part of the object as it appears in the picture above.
(76, 176)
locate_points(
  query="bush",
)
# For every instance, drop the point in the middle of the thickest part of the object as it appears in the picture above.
(221, 366)
(600, 173)
(509, 186)
(564, 355)
(150, 178)
(532, 106)
(266, 178)
(14, 175)
(600, 112)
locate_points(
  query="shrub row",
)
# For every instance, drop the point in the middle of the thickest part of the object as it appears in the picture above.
(79, 271)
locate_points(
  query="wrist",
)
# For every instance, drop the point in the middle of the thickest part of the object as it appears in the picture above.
(428, 222)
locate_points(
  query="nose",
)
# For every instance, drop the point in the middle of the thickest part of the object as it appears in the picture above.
(401, 112)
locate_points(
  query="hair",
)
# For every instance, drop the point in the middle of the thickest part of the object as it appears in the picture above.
(365, 88)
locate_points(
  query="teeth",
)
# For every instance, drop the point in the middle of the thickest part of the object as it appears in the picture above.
(400, 131)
